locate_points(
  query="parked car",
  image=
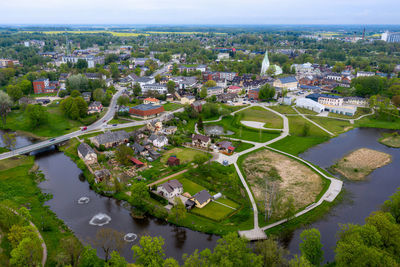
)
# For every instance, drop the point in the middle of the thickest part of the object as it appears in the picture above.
(53, 139)
(84, 128)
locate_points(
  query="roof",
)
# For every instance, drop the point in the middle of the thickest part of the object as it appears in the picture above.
(233, 87)
(151, 99)
(173, 159)
(214, 88)
(136, 161)
(200, 137)
(138, 147)
(108, 137)
(40, 80)
(171, 185)
(146, 107)
(202, 196)
(85, 149)
(224, 144)
(290, 79)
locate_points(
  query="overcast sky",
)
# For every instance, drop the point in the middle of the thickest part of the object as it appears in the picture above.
(199, 11)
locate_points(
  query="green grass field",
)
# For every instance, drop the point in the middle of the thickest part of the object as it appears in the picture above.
(306, 111)
(172, 106)
(185, 155)
(57, 123)
(190, 187)
(332, 125)
(296, 127)
(371, 122)
(232, 123)
(260, 114)
(213, 211)
(390, 139)
(241, 146)
(283, 109)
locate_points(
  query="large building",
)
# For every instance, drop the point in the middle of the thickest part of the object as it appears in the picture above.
(391, 37)
(309, 104)
(288, 83)
(146, 110)
(160, 88)
(91, 60)
(216, 90)
(44, 86)
(265, 66)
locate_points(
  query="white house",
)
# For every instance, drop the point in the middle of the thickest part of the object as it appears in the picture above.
(216, 90)
(160, 88)
(87, 154)
(365, 74)
(309, 104)
(158, 140)
(330, 100)
(170, 189)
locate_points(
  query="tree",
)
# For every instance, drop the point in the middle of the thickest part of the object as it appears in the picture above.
(89, 258)
(114, 71)
(393, 205)
(5, 106)
(171, 86)
(137, 90)
(300, 262)
(290, 209)
(123, 100)
(311, 247)
(37, 115)
(14, 92)
(74, 108)
(26, 86)
(306, 129)
(75, 93)
(203, 92)
(109, 240)
(396, 100)
(157, 78)
(179, 210)
(27, 253)
(339, 67)
(9, 140)
(150, 252)
(139, 193)
(77, 82)
(170, 262)
(123, 154)
(271, 70)
(272, 254)
(98, 94)
(210, 83)
(81, 64)
(72, 249)
(116, 260)
(266, 92)
(18, 232)
(200, 124)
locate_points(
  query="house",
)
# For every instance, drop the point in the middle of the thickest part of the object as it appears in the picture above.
(139, 149)
(225, 147)
(330, 100)
(95, 76)
(187, 100)
(228, 97)
(287, 83)
(159, 88)
(365, 74)
(154, 154)
(170, 130)
(158, 140)
(309, 104)
(86, 96)
(110, 139)
(146, 110)
(173, 161)
(154, 126)
(136, 162)
(87, 154)
(233, 89)
(101, 175)
(201, 140)
(359, 101)
(151, 100)
(253, 94)
(216, 90)
(45, 86)
(170, 189)
(201, 198)
(197, 105)
(95, 107)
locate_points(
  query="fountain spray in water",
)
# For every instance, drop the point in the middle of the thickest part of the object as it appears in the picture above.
(100, 219)
(130, 237)
(83, 200)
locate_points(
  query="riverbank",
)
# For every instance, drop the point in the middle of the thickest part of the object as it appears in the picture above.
(358, 164)
(19, 188)
(390, 139)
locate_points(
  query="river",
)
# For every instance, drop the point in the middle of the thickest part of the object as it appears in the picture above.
(361, 198)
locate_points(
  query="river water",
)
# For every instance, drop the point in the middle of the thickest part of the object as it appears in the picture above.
(361, 198)
(20, 140)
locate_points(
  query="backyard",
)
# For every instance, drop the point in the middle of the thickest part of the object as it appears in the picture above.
(185, 155)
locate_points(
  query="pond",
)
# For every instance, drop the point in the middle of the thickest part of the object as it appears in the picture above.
(361, 198)
(216, 130)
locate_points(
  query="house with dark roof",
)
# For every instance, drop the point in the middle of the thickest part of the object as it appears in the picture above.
(170, 189)
(110, 139)
(87, 154)
(225, 147)
(200, 140)
(288, 83)
(201, 198)
(173, 161)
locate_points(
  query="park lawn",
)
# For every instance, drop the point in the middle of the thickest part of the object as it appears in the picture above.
(296, 145)
(190, 187)
(184, 154)
(213, 211)
(57, 123)
(297, 124)
(228, 202)
(283, 109)
(371, 122)
(241, 146)
(232, 123)
(260, 114)
(332, 125)
(306, 111)
(172, 106)
(118, 121)
(359, 112)
(18, 188)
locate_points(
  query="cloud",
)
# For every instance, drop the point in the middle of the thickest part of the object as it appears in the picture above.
(199, 12)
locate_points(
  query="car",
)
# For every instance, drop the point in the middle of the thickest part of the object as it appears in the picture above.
(84, 128)
(52, 139)
(114, 124)
(105, 121)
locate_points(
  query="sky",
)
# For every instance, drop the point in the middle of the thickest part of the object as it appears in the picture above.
(199, 12)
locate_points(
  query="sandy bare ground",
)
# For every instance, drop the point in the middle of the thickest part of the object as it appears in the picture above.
(361, 162)
(296, 180)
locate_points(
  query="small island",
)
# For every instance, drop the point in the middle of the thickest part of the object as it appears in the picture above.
(391, 139)
(358, 164)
